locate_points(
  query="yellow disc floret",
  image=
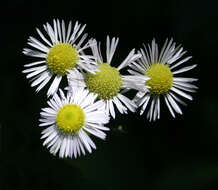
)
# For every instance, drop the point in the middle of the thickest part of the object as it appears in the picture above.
(106, 83)
(61, 57)
(161, 78)
(70, 118)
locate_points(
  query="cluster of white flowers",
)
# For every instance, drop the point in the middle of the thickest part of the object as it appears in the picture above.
(96, 89)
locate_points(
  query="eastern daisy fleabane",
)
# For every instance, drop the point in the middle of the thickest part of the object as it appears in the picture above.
(71, 120)
(162, 69)
(108, 83)
(60, 50)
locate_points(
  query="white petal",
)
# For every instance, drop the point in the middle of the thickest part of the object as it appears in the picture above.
(145, 105)
(180, 62)
(184, 69)
(129, 59)
(181, 79)
(111, 48)
(151, 110)
(81, 146)
(50, 137)
(186, 85)
(34, 53)
(46, 123)
(129, 104)
(169, 107)
(96, 132)
(111, 108)
(97, 126)
(122, 109)
(44, 82)
(34, 63)
(89, 140)
(177, 99)
(97, 117)
(174, 104)
(83, 138)
(181, 93)
(95, 106)
(63, 147)
(54, 86)
(68, 146)
(46, 132)
(43, 37)
(37, 44)
(41, 78)
(68, 31)
(33, 69)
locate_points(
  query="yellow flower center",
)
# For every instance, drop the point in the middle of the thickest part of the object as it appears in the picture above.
(70, 118)
(161, 78)
(62, 57)
(106, 83)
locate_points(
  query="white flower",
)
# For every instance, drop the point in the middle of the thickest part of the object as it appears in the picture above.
(161, 68)
(71, 120)
(108, 83)
(58, 53)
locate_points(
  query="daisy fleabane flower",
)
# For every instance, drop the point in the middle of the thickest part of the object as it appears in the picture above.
(162, 69)
(71, 121)
(108, 84)
(59, 51)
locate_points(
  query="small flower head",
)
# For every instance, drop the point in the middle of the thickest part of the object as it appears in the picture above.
(61, 58)
(71, 121)
(70, 118)
(59, 53)
(161, 78)
(108, 83)
(163, 82)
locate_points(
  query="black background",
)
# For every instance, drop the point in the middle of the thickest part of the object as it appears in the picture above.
(179, 153)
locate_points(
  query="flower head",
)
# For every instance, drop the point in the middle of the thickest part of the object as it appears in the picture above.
(108, 83)
(71, 120)
(162, 68)
(58, 53)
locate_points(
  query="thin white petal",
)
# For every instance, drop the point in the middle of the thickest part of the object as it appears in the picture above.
(111, 107)
(174, 104)
(180, 62)
(181, 93)
(184, 69)
(83, 138)
(169, 107)
(54, 86)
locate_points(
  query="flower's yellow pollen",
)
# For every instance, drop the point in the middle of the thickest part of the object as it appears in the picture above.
(106, 83)
(70, 118)
(161, 78)
(62, 57)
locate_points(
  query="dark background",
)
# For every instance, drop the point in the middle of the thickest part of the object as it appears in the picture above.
(179, 153)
